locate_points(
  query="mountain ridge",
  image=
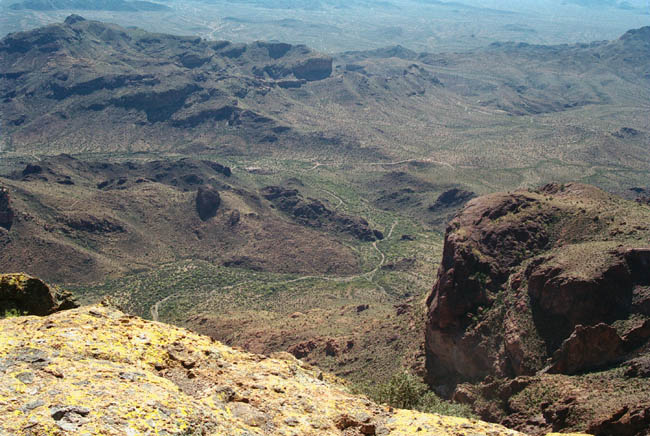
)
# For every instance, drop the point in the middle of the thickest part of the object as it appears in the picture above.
(168, 93)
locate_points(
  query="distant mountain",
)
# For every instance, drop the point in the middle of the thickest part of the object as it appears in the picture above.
(89, 86)
(89, 5)
(182, 83)
(312, 5)
(620, 4)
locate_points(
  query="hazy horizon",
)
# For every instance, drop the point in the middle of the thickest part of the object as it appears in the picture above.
(337, 25)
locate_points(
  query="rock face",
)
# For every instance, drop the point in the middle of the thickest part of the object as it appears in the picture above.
(316, 68)
(479, 252)
(207, 202)
(521, 271)
(6, 212)
(588, 348)
(23, 294)
(148, 377)
(552, 281)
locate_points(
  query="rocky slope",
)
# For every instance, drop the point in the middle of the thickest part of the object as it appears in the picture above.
(83, 73)
(96, 370)
(545, 282)
(107, 218)
(314, 213)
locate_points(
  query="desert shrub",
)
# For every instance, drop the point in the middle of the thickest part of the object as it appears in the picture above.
(405, 391)
(11, 313)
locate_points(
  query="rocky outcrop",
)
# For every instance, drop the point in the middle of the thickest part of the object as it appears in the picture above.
(588, 348)
(550, 281)
(511, 289)
(639, 367)
(22, 294)
(148, 377)
(480, 251)
(452, 198)
(626, 133)
(628, 421)
(92, 224)
(315, 68)
(313, 213)
(302, 349)
(207, 202)
(6, 212)
(565, 292)
(64, 169)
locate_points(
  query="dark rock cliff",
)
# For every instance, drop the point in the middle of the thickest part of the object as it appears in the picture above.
(524, 273)
(543, 297)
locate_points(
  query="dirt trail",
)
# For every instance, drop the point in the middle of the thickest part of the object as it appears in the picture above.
(339, 199)
(154, 310)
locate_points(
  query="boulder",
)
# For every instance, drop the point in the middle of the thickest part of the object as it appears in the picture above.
(25, 295)
(639, 367)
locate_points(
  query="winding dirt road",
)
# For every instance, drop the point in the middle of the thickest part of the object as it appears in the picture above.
(154, 310)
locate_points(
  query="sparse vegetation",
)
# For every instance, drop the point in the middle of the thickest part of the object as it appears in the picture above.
(12, 313)
(405, 391)
(250, 274)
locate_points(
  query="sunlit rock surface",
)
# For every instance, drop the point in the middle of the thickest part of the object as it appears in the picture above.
(95, 370)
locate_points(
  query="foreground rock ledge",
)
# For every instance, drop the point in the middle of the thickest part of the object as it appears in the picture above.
(27, 295)
(95, 370)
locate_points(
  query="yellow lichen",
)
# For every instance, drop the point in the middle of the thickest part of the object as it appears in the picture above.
(139, 377)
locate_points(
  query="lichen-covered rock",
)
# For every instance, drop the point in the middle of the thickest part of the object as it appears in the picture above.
(97, 371)
(22, 294)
